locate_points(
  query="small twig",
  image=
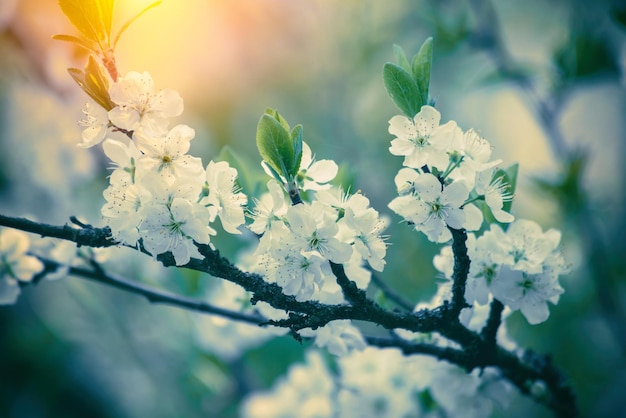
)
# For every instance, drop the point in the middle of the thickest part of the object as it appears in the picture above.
(154, 295)
(89, 237)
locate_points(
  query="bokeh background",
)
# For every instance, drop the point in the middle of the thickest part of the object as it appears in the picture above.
(542, 80)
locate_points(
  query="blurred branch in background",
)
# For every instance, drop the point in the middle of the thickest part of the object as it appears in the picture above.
(577, 59)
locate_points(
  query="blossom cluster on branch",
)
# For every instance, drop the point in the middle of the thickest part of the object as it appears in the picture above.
(317, 248)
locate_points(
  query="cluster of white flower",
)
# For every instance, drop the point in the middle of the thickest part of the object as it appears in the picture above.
(298, 241)
(380, 383)
(158, 193)
(446, 171)
(15, 264)
(520, 267)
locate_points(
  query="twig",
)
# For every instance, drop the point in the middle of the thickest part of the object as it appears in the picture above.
(154, 295)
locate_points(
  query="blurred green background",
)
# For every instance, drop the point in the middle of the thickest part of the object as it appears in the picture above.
(542, 80)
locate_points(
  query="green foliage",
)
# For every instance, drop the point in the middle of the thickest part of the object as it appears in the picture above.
(94, 82)
(93, 19)
(585, 54)
(280, 147)
(402, 89)
(408, 84)
(421, 66)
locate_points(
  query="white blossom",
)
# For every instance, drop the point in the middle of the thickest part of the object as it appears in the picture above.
(124, 158)
(421, 140)
(305, 392)
(15, 264)
(474, 153)
(315, 175)
(269, 208)
(139, 107)
(433, 207)
(167, 156)
(496, 193)
(339, 337)
(317, 226)
(95, 123)
(173, 220)
(224, 195)
(123, 210)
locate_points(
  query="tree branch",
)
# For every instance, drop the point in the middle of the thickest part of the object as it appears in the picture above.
(460, 271)
(153, 295)
(476, 352)
(88, 237)
(493, 322)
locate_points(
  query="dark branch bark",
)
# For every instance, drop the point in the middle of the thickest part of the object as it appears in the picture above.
(493, 322)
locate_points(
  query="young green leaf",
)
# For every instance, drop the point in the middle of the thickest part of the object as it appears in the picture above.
(274, 113)
(275, 146)
(401, 59)
(91, 17)
(80, 41)
(402, 89)
(94, 82)
(421, 67)
(296, 139)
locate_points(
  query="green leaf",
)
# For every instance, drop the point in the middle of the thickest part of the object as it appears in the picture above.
(80, 41)
(402, 89)
(94, 82)
(421, 67)
(274, 113)
(296, 139)
(401, 59)
(275, 146)
(92, 18)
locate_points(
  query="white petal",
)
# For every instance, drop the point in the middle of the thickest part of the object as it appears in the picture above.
(428, 187)
(473, 217)
(427, 120)
(502, 216)
(455, 194)
(455, 218)
(535, 313)
(168, 102)
(9, 291)
(402, 127)
(323, 171)
(401, 146)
